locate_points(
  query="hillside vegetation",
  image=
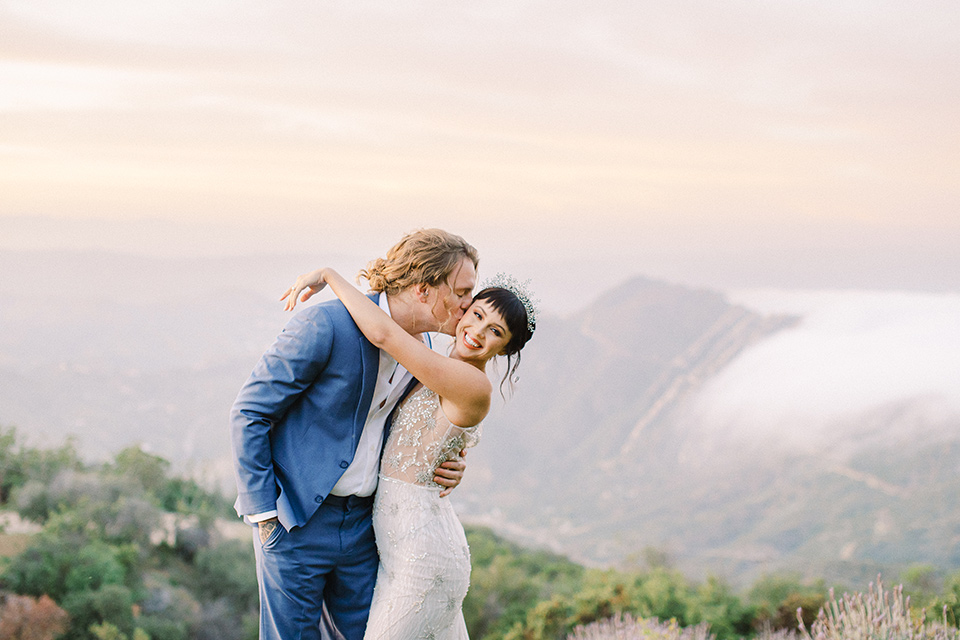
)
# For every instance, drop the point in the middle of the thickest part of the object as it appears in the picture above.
(125, 550)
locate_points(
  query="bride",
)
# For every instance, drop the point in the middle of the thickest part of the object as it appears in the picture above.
(424, 568)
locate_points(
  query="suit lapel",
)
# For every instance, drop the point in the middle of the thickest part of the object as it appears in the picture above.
(393, 414)
(370, 365)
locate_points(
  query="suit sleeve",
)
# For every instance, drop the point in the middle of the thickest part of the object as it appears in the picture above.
(294, 361)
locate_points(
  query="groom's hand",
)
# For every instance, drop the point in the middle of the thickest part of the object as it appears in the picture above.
(450, 473)
(266, 528)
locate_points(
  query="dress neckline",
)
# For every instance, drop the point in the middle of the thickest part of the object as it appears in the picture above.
(424, 387)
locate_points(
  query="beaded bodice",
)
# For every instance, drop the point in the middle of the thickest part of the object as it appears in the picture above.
(421, 439)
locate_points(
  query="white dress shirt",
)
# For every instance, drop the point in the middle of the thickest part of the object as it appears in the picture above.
(360, 478)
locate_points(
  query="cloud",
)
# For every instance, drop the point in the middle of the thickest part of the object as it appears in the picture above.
(683, 133)
(855, 357)
(64, 87)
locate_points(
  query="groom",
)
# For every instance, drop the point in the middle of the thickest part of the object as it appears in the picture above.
(308, 428)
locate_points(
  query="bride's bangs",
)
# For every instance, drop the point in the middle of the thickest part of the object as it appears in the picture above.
(508, 305)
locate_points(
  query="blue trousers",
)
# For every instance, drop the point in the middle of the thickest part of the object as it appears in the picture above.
(329, 562)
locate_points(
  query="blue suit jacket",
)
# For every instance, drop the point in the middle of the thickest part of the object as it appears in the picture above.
(296, 423)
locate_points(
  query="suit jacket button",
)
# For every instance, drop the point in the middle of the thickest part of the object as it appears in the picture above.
(344, 464)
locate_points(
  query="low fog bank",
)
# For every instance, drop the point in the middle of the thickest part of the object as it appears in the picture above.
(859, 366)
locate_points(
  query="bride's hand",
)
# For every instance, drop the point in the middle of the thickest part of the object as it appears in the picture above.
(309, 284)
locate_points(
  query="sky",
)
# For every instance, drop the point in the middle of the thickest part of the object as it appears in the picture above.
(782, 144)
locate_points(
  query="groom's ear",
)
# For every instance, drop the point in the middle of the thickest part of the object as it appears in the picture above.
(422, 291)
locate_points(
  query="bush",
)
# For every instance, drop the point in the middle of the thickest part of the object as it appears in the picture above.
(662, 594)
(950, 601)
(507, 581)
(217, 621)
(776, 599)
(545, 621)
(57, 566)
(162, 629)
(112, 604)
(107, 631)
(104, 507)
(228, 571)
(19, 464)
(715, 604)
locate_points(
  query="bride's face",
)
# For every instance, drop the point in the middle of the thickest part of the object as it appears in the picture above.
(482, 333)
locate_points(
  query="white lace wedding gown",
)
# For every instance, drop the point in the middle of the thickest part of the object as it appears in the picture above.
(424, 560)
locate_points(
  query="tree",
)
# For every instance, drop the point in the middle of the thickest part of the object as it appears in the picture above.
(181, 495)
(11, 468)
(147, 470)
(662, 594)
(26, 618)
(717, 605)
(19, 464)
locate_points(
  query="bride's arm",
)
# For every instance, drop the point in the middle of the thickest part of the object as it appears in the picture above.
(459, 383)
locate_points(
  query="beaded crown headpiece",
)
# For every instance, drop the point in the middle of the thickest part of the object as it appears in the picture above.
(519, 289)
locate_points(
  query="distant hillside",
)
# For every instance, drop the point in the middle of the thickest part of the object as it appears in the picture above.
(118, 350)
(593, 418)
(600, 452)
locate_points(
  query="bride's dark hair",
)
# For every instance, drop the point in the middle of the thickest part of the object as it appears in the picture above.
(508, 305)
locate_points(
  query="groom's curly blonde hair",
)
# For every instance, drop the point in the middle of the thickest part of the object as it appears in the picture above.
(426, 256)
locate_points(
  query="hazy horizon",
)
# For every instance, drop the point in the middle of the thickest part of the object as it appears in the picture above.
(566, 284)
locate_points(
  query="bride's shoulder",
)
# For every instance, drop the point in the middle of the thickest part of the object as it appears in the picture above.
(460, 417)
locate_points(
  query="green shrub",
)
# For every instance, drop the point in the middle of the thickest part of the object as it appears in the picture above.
(228, 570)
(162, 629)
(58, 566)
(112, 604)
(715, 604)
(775, 600)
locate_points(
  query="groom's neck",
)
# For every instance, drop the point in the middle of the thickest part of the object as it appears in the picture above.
(405, 311)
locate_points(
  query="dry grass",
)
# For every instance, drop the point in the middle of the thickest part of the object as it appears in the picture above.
(626, 627)
(876, 615)
(12, 544)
